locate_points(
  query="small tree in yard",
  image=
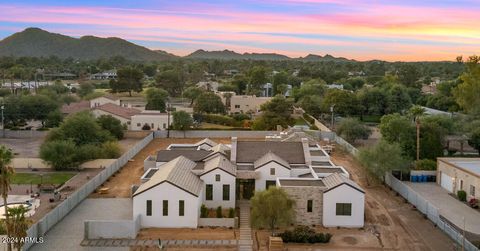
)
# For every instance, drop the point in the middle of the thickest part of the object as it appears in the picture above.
(272, 208)
(381, 158)
(352, 129)
(18, 225)
(182, 121)
(111, 124)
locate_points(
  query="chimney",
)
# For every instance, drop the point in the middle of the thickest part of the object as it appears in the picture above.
(233, 152)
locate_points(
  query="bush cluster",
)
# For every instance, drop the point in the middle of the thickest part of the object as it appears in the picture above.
(234, 121)
(425, 164)
(462, 195)
(304, 234)
(203, 211)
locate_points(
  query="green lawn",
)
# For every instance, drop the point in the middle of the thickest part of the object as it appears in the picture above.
(48, 178)
(300, 121)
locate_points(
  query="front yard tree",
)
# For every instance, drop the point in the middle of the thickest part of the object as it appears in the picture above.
(381, 158)
(182, 121)
(156, 99)
(171, 81)
(272, 208)
(111, 124)
(277, 111)
(352, 129)
(474, 139)
(6, 173)
(128, 80)
(192, 93)
(209, 102)
(60, 154)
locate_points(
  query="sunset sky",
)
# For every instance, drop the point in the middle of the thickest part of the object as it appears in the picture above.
(407, 30)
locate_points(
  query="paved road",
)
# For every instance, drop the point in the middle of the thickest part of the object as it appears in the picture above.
(68, 233)
(450, 208)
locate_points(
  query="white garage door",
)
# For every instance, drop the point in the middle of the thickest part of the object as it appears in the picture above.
(447, 182)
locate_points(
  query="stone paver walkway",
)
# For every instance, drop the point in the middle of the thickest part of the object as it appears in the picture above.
(245, 242)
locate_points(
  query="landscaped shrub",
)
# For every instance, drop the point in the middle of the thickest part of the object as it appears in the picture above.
(231, 213)
(425, 164)
(462, 195)
(219, 212)
(203, 211)
(240, 116)
(146, 127)
(304, 234)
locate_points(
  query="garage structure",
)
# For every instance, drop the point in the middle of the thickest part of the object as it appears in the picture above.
(455, 174)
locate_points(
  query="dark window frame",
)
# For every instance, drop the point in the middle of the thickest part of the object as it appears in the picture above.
(208, 192)
(165, 207)
(181, 208)
(343, 209)
(149, 208)
(226, 192)
(309, 206)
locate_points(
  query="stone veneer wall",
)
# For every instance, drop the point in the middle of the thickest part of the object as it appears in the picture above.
(301, 195)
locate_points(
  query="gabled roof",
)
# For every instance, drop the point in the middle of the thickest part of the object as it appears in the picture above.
(207, 141)
(219, 162)
(193, 155)
(220, 148)
(250, 151)
(335, 180)
(120, 111)
(177, 172)
(269, 157)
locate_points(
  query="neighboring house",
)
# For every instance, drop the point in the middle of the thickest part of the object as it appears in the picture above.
(111, 74)
(267, 90)
(208, 85)
(335, 86)
(154, 119)
(222, 174)
(107, 99)
(455, 174)
(243, 103)
(123, 114)
(72, 108)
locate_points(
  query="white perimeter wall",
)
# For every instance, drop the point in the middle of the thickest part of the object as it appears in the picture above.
(173, 194)
(225, 178)
(264, 174)
(343, 194)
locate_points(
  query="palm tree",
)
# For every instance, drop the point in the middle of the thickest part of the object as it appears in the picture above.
(18, 224)
(228, 98)
(6, 173)
(416, 112)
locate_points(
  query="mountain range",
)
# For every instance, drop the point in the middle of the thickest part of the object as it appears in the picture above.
(35, 42)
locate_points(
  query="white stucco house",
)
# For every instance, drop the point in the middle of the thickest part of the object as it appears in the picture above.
(217, 175)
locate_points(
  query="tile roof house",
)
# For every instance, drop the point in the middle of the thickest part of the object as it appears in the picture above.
(219, 175)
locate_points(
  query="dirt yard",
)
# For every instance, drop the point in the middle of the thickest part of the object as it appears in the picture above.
(396, 223)
(188, 234)
(120, 184)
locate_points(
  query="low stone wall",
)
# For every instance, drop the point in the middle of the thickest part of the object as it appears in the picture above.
(112, 229)
(217, 222)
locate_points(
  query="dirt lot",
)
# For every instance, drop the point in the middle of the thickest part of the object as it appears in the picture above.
(396, 223)
(120, 184)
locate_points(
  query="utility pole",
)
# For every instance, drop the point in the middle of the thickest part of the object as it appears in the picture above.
(168, 120)
(3, 122)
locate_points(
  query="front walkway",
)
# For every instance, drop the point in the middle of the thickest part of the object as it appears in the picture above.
(245, 242)
(449, 207)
